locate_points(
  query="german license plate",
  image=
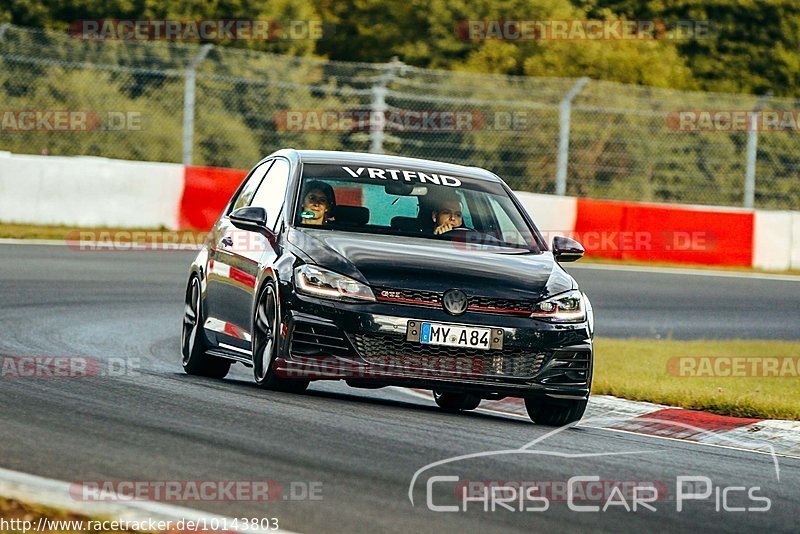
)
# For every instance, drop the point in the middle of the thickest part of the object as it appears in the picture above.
(455, 336)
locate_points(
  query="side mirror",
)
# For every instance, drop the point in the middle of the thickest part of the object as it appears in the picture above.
(566, 249)
(250, 218)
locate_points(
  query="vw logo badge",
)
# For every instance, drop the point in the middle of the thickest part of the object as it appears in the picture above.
(454, 302)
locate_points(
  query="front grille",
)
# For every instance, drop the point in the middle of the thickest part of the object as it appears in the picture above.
(408, 296)
(395, 353)
(312, 340)
(416, 297)
(496, 305)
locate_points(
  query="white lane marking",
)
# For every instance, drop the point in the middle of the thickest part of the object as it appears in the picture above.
(687, 271)
(46, 242)
(491, 411)
(56, 494)
(101, 246)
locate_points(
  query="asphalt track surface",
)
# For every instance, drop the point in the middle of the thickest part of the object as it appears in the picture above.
(363, 446)
(684, 306)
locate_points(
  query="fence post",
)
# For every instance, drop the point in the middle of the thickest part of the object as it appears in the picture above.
(188, 102)
(378, 106)
(752, 154)
(563, 136)
(3, 27)
(377, 118)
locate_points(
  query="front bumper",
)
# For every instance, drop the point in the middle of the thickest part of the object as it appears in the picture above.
(367, 345)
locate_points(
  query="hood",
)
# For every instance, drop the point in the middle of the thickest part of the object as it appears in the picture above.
(427, 264)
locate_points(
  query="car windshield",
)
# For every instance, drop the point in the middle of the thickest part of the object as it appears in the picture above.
(414, 202)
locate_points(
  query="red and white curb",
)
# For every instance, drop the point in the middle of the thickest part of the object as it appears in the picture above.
(56, 494)
(771, 436)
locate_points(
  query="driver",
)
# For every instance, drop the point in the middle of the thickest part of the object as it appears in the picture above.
(319, 201)
(447, 215)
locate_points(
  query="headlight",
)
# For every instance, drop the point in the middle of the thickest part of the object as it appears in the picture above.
(319, 282)
(565, 308)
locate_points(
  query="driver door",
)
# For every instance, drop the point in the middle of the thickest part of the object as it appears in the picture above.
(240, 253)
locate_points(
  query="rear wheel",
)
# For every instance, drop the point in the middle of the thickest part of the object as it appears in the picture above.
(555, 412)
(455, 402)
(266, 325)
(193, 344)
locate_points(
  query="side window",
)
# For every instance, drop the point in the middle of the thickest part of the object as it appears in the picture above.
(249, 189)
(272, 191)
(509, 232)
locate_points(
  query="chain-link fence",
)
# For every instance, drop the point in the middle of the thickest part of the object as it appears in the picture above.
(222, 106)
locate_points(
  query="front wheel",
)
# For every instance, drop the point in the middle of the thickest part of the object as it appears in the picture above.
(456, 402)
(193, 346)
(555, 412)
(266, 325)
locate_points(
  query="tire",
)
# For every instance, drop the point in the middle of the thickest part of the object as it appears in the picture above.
(266, 325)
(552, 412)
(193, 342)
(456, 402)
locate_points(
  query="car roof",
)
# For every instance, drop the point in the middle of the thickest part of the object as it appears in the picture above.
(333, 156)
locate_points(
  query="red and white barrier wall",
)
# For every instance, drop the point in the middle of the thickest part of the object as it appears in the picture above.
(88, 191)
(99, 192)
(672, 233)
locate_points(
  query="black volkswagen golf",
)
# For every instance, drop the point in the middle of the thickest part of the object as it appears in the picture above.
(383, 270)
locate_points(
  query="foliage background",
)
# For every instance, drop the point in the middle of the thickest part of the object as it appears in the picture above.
(754, 45)
(620, 145)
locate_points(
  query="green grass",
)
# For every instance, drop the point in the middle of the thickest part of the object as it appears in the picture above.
(70, 233)
(640, 369)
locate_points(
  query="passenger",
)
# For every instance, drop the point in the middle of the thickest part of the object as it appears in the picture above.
(318, 203)
(447, 215)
